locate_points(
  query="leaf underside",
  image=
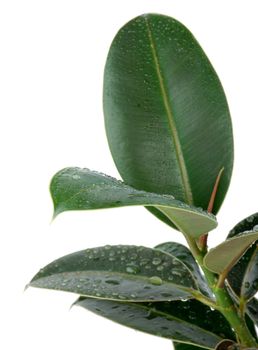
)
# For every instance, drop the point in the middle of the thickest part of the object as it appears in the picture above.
(166, 115)
(82, 189)
(184, 254)
(223, 257)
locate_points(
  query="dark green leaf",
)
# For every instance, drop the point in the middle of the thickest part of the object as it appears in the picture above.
(223, 257)
(184, 254)
(82, 189)
(251, 325)
(252, 310)
(182, 346)
(243, 278)
(188, 322)
(166, 115)
(119, 273)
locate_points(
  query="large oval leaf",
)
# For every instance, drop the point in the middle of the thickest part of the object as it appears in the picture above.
(243, 278)
(82, 189)
(187, 322)
(119, 273)
(166, 115)
(223, 257)
(184, 254)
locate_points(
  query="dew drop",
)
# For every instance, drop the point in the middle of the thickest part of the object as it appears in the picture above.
(247, 284)
(131, 269)
(155, 280)
(156, 261)
(113, 282)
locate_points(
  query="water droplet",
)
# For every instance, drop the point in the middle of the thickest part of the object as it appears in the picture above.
(160, 268)
(155, 280)
(120, 296)
(131, 269)
(76, 177)
(144, 262)
(176, 273)
(156, 261)
(147, 287)
(247, 284)
(114, 282)
(250, 218)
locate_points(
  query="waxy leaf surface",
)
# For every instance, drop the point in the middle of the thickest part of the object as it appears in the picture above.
(187, 322)
(166, 115)
(223, 257)
(82, 189)
(184, 254)
(252, 310)
(119, 273)
(243, 278)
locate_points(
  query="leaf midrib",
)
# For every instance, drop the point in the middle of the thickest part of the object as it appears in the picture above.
(179, 153)
(120, 274)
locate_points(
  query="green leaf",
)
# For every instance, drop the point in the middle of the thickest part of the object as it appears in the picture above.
(182, 346)
(243, 278)
(119, 273)
(184, 254)
(223, 257)
(82, 189)
(166, 115)
(188, 322)
(252, 310)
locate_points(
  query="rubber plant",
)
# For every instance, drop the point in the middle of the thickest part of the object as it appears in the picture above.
(170, 134)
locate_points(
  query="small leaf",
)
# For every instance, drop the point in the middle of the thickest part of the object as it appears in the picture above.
(223, 257)
(184, 254)
(243, 278)
(82, 189)
(188, 322)
(119, 273)
(166, 115)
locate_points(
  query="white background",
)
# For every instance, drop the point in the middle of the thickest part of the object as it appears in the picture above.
(52, 55)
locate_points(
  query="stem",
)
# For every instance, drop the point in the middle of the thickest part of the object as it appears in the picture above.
(224, 302)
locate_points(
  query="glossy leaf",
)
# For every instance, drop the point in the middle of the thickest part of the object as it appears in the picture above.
(166, 115)
(82, 189)
(119, 273)
(243, 278)
(188, 322)
(252, 310)
(184, 254)
(223, 257)
(182, 346)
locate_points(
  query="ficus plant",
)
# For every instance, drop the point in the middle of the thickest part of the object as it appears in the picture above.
(170, 134)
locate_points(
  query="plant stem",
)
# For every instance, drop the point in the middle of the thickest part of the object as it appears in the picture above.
(224, 302)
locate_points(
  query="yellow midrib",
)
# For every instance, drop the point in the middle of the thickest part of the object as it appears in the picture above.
(178, 149)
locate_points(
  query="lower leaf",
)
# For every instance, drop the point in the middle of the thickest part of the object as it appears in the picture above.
(189, 322)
